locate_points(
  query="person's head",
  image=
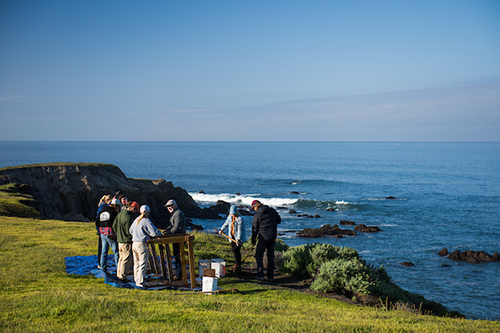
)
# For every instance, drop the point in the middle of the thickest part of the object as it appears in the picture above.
(144, 212)
(106, 199)
(133, 207)
(124, 200)
(115, 203)
(233, 210)
(255, 205)
(171, 205)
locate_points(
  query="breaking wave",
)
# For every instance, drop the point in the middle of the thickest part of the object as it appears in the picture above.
(205, 199)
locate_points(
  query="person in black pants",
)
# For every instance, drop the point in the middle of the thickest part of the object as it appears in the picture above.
(265, 228)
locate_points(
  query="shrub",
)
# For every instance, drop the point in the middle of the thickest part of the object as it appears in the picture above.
(341, 275)
(341, 270)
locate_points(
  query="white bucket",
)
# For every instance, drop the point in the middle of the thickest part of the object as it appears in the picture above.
(202, 265)
(220, 267)
(209, 284)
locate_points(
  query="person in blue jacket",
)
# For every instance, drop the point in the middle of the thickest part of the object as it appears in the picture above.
(236, 231)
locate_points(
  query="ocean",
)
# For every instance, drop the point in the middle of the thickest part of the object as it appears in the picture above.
(447, 196)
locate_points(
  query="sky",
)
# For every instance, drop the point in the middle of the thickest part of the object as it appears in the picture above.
(250, 70)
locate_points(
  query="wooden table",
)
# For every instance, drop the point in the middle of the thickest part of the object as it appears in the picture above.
(162, 263)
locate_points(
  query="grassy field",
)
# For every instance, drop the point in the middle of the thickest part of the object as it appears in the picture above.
(37, 295)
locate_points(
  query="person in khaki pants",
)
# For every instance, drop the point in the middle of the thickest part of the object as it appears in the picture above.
(121, 226)
(142, 229)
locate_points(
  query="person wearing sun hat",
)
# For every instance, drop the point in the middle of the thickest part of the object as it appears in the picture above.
(121, 226)
(142, 229)
(265, 229)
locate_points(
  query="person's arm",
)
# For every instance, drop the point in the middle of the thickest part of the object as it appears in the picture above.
(225, 224)
(255, 229)
(151, 230)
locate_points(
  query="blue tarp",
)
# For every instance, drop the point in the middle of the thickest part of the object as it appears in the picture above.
(87, 265)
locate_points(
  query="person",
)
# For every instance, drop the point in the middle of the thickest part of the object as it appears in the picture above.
(124, 201)
(235, 230)
(121, 226)
(265, 228)
(105, 200)
(108, 236)
(142, 229)
(177, 226)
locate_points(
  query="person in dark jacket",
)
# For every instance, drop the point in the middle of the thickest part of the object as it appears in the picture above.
(108, 236)
(177, 226)
(265, 228)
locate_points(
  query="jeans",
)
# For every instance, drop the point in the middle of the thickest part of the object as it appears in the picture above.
(108, 242)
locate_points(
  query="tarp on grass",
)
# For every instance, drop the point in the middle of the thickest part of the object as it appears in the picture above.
(87, 265)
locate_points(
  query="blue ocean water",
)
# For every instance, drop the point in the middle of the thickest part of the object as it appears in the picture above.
(448, 196)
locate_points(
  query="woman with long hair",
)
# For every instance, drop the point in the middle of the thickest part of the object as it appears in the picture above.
(142, 229)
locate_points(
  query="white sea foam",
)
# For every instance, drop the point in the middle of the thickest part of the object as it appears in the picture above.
(209, 199)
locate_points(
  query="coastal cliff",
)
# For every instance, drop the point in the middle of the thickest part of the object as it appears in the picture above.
(71, 191)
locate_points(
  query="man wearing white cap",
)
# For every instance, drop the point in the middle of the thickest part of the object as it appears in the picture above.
(177, 226)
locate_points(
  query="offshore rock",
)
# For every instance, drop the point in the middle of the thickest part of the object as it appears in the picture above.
(408, 264)
(364, 228)
(71, 191)
(345, 222)
(326, 230)
(473, 257)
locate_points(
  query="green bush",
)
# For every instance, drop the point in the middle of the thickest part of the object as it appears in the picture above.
(305, 260)
(341, 270)
(350, 275)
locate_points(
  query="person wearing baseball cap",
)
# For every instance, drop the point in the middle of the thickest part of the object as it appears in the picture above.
(177, 226)
(121, 226)
(142, 229)
(265, 229)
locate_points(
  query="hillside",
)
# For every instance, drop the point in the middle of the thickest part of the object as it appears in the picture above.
(71, 191)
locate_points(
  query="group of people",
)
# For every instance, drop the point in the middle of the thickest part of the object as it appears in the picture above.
(264, 230)
(126, 228)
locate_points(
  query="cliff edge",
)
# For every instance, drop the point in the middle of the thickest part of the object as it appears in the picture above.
(71, 191)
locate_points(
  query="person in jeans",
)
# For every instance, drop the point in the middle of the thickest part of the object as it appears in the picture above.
(142, 229)
(265, 228)
(108, 236)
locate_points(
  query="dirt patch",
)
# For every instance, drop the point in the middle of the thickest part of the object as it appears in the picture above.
(285, 281)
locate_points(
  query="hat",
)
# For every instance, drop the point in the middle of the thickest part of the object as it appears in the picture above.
(144, 209)
(170, 202)
(134, 204)
(233, 210)
(115, 202)
(255, 202)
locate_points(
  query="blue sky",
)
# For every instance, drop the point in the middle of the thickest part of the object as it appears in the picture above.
(250, 71)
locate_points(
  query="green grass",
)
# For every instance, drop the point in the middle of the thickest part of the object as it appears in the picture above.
(37, 295)
(56, 164)
(12, 203)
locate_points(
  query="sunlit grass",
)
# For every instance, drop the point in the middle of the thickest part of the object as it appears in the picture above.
(38, 296)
